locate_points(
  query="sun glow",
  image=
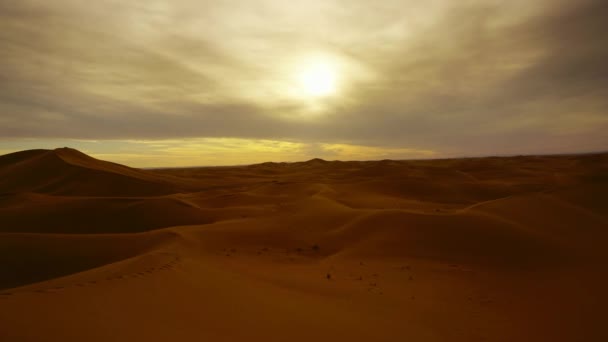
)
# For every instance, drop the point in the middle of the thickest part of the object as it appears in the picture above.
(318, 79)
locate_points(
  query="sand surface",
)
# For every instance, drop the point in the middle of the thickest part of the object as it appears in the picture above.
(489, 249)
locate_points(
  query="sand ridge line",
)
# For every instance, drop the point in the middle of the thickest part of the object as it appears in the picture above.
(147, 271)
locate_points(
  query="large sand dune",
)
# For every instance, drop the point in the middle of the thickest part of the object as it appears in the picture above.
(67, 171)
(482, 249)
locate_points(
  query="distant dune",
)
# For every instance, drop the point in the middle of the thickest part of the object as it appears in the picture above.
(70, 172)
(474, 249)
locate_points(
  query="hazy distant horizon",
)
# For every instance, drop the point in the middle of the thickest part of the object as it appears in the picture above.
(186, 166)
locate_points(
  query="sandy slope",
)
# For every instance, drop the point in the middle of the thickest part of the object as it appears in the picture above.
(67, 171)
(492, 249)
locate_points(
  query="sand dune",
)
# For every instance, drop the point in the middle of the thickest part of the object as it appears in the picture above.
(70, 172)
(36, 213)
(30, 258)
(480, 249)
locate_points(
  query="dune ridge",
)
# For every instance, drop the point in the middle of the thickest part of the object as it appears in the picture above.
(67, 171)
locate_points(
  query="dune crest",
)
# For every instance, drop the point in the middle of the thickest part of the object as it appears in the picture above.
(67, 171)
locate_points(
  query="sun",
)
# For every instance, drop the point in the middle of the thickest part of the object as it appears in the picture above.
(317, 79)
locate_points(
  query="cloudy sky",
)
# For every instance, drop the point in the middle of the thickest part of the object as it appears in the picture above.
(210, 82)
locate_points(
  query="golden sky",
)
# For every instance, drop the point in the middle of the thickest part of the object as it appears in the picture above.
(201, 82)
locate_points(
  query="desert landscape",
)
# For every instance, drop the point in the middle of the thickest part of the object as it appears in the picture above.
(303, 171)
(469, 249)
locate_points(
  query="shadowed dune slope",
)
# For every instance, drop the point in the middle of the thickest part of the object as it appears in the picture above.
(30, 258)
(36, 213)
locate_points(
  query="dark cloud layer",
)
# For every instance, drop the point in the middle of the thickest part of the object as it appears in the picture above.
(480, 77)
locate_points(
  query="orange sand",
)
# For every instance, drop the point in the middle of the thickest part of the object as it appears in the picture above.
(489, 249)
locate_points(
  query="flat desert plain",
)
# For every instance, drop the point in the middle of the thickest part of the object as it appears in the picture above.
(472, 249)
